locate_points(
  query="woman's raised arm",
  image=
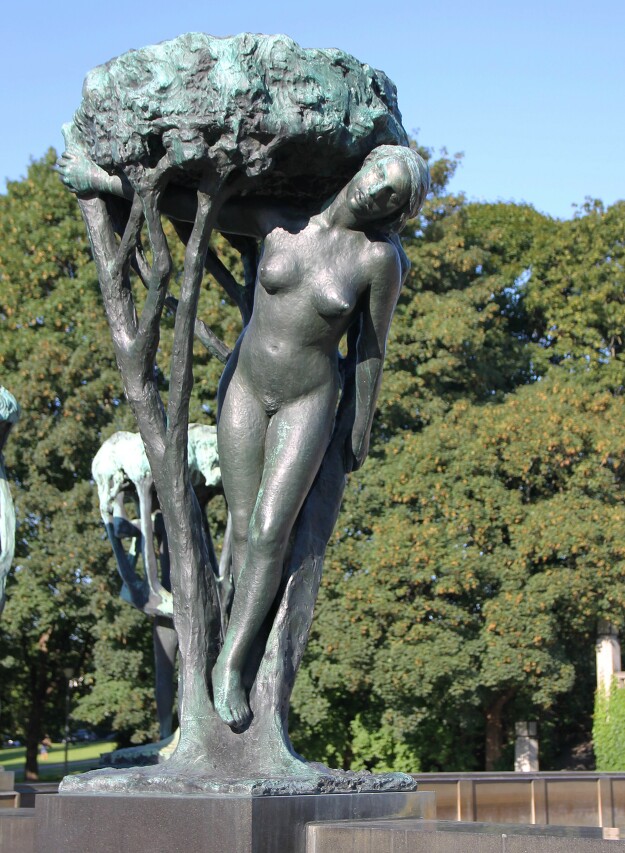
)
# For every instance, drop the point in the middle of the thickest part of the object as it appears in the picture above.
(251, 217)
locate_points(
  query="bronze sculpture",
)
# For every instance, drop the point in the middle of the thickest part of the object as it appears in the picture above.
(9, 415)
(316, 275)
(122, 475)
(276, 148)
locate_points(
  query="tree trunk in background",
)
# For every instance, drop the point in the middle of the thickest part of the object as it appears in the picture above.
(494, 730)
(34, 725)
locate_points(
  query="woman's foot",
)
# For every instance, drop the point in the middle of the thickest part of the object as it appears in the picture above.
(229, 696)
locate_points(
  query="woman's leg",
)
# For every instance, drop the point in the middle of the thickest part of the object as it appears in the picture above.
(296, 441)
(241, 429)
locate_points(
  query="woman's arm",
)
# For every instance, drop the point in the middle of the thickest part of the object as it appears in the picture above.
(84, 177)
(377, 312)
(253, 217)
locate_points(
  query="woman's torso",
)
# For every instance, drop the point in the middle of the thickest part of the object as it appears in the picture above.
(309, 284)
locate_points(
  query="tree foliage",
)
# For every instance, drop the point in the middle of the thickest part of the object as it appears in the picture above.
(609, 729)
(483, 539)
(475, 550)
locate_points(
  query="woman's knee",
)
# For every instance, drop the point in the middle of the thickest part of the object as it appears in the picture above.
(267, 534)
(240, 528)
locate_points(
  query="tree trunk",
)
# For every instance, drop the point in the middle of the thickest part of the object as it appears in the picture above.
(494, 729)
(34, 726)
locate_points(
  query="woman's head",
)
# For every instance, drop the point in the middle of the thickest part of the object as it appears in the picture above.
(390, 186)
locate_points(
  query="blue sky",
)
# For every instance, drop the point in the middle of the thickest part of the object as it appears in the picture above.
(533, 93)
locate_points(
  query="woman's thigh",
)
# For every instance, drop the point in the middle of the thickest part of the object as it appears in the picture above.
(241, 430)
(297, 439)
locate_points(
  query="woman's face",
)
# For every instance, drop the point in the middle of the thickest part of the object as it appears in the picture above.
(379, 190)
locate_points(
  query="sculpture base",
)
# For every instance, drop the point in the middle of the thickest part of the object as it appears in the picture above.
(142, 756)
(172, 778)
(162, 823)
(446, 836)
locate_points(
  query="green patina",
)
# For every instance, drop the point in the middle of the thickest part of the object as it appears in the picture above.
(259, 103)
(189, 128)
(9, 415)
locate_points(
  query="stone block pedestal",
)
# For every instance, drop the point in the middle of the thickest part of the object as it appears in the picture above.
(17, 831)
(9, 798)
(206, 823)
(443, 836)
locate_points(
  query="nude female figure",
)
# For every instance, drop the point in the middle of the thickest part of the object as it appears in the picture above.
(277, 398)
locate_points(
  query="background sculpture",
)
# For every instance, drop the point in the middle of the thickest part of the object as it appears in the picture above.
(203, 129)
(122, 473)
(9, 415)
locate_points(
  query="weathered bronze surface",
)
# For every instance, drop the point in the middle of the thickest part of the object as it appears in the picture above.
(9, 415)
(304, 151)
(123, 478)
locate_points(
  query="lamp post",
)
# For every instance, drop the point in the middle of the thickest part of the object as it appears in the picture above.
(68, 672)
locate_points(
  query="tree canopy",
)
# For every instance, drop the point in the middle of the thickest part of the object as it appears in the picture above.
(482, 541)
(475, 550)
(55, 358)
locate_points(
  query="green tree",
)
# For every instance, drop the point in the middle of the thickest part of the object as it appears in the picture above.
(118, 689)
(481, 542)
(54, 357)
(474, 551)
(575, 296)
(57, 358)
(609, 729)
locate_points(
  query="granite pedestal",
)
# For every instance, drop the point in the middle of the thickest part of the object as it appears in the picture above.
(442, 836)
(206, 823)
(17, 831)
(9, 798)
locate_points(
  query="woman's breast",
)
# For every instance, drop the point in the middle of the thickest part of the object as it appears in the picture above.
(313, 283)
(278, 270)
(332, 296)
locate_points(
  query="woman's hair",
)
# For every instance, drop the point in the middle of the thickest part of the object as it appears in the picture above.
(419, 179)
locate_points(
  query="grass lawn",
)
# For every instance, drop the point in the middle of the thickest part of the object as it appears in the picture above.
(81, 757)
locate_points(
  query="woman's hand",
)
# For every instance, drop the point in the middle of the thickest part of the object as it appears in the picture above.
(355, 452)
(81, 175)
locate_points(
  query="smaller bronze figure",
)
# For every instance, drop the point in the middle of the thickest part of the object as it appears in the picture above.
(121, 472)
(9, 415)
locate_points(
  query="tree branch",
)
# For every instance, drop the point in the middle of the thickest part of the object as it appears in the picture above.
(204, 334)
(129, 237)
(141, 266)
(224, 277)
(118, 301)
(220, 273)
(248, 248)
(148, 334)
(181, 379)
